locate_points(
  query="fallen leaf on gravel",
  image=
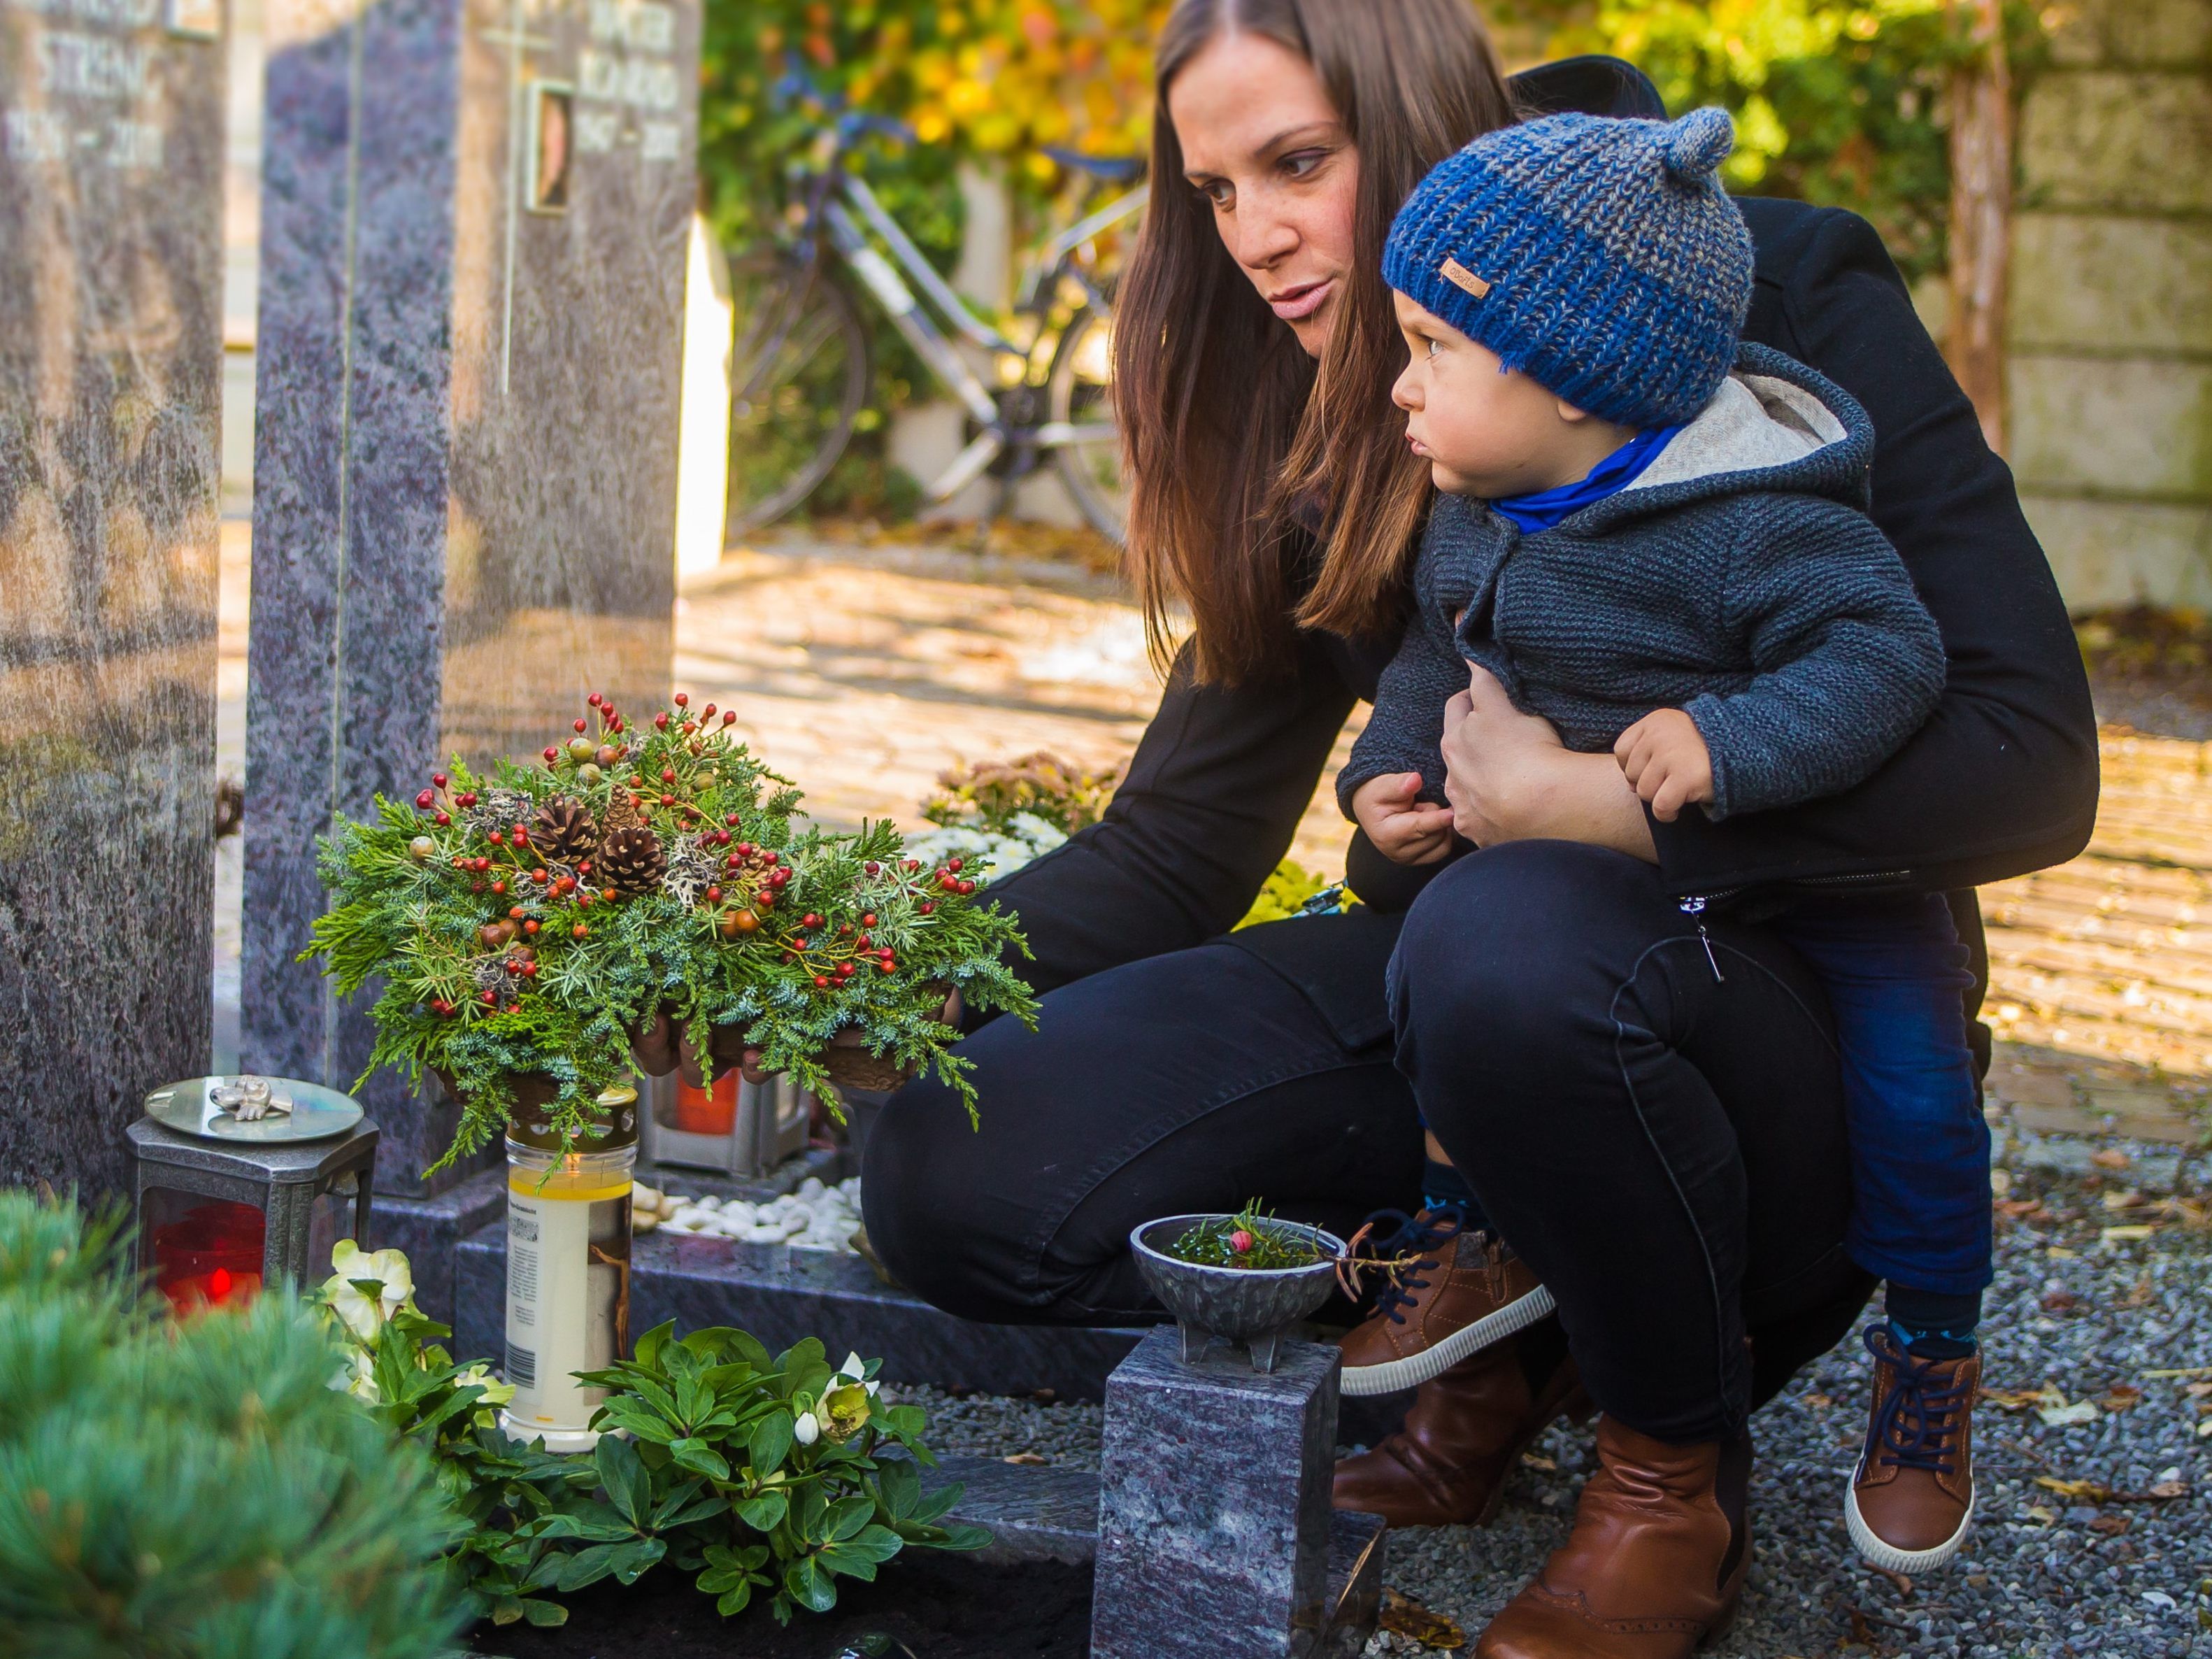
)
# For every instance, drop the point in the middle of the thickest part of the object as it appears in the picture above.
(2123, 1201)
(2111, 1526)
(2060, 1301)
(1546, 1464)
(1025, 1459)
(2125, 1235)
(2204, 1428)
(1406, 1617)
(2120, 1396)
(2167, 1491)
(2079, 1492)
(2036, 1512)
(2193, 1391)
(1819, 1402)
(2065, 1417)
(2060, 1252)
(1904, 1584)
(2111, 1158)
(2021, 1399)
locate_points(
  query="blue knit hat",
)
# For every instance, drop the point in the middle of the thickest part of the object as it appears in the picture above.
(1601, 257)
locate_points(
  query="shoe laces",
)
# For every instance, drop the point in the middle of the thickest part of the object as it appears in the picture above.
(1913, 1425)
(1421, 1237)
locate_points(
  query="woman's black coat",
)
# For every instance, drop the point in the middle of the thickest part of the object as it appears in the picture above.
(2001, 780)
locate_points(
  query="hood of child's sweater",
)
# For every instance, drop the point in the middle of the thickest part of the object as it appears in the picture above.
(1775, 425)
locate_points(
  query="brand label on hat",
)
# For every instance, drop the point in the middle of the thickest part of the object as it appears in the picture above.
(1460, 276)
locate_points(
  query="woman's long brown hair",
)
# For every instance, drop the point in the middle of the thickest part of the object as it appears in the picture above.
(1233, 436)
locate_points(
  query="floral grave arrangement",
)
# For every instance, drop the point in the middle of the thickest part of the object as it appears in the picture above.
(1252, 1239)
(527, 926)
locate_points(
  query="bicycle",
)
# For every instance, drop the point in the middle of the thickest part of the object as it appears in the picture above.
(801, 368)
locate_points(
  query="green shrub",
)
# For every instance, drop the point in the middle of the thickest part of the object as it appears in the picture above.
(194, 1491)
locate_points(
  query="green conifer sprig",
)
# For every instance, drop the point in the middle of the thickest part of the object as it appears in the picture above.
(505, 955)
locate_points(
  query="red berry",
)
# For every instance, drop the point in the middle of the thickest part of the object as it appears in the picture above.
(595, 700)
(537, 875)
(491, 999)
(722, 838)
(845, 969)
(521, 836)
(768, 855)
(886, 965)
(530, 969)
(582, 899)
(614, 725)
(566, 885)
(661, 719)
(953, 865)
(476, 886)
(530, 927)
(913, 865)
(580, 931)
(801, 942)
(683, 700)
(821, 983)
(732, 820)
(668, 800)
(551, 754)
(869, 919)
(924, 908)
(497, 839)
(810, 920)
(499, 887)
(426, 799)
(713, 895)
(1240, 1241)
(966, 886)
(484, 864)
(445, 817)
(872, 867)
(735, 862)
(861, 944)
(581, 724)
(782, 877)
(668, 775)
(438, 779)
(764, 901)
(729, 717)
(514, 913)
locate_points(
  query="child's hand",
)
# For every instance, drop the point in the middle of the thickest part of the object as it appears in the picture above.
(1404, 829)
(1666, 761)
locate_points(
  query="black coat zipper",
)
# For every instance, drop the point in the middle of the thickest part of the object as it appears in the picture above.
(1694, 905)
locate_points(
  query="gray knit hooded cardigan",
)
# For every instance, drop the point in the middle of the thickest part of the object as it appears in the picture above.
(1739, 579)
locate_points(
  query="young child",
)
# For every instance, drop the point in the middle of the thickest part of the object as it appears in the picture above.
(1655, 537)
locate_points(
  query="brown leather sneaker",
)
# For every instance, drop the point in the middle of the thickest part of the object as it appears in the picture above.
(1462, 1293)
(1655, 1565)
(1912, 1497)
(1466, 1429)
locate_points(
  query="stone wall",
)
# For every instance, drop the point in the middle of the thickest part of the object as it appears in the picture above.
(2112, 304)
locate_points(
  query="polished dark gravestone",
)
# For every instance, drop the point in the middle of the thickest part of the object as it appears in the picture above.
(111, 346)
(1213, 1514)
(474, 223)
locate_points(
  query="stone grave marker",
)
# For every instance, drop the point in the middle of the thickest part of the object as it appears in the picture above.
(110, 344)
(474, 226)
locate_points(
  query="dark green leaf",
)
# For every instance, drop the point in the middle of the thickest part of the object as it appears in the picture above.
(770, 1441)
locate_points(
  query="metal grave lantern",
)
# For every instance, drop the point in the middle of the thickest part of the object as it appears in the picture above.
(243, 1181)
(734, 1128)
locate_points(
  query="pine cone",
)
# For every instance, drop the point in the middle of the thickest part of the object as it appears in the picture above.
(630, 860)
(563, 829)
(622, 813)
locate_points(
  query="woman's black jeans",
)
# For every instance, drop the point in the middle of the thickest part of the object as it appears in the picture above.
(1657, 1130)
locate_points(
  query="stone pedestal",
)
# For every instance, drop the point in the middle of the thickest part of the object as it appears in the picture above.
(1213, 1509)
(474, 222)
(110, 335)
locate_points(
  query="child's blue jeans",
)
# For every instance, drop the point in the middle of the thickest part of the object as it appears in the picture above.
(1895, 973)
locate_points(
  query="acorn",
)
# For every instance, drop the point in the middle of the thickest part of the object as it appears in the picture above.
(496, 934)
(421, 847)
(582, 749)
(607, 755)
(736, 924)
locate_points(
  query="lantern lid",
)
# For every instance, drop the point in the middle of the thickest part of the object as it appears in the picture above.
(616, 1126)
(239, 1107)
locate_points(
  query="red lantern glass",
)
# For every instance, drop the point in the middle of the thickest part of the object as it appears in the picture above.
(211, 1255)
(707, 1111)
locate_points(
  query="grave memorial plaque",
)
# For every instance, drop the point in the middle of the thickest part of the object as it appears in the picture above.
(111, 345)
(474, 216)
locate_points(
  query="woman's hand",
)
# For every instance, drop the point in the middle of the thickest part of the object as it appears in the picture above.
(1509, 778)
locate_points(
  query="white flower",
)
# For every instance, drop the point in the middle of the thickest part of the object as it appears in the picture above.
(1042, 836)
(359, 1379)
(365, 1314)
(807, 1429)
(855, 1369)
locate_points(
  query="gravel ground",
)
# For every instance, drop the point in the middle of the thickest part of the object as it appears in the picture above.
(2081, 1322)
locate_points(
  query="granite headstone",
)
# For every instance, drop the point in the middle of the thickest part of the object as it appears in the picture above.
(473, 233)
(111, 346)
(1213, 1504)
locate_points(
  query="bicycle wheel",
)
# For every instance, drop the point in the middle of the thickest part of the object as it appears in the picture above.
(1081, 395)
(799, 376)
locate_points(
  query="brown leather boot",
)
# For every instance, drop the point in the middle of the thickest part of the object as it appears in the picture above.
(1457, 1292)
(1912, 1497)
(1655, 1565)
(1466, 1429)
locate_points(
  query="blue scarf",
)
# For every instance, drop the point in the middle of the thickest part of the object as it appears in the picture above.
(1608, 477)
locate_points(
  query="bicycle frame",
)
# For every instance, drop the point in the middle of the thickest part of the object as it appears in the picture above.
(916, 326)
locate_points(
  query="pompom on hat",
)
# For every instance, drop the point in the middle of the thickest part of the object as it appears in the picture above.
(1601, 257)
